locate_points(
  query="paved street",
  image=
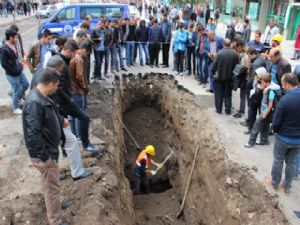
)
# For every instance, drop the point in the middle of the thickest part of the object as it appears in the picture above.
(28, 30)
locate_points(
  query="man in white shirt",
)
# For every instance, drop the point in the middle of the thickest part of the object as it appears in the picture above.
(270, 31)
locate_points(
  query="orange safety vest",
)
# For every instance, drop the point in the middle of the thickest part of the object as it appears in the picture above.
(142, 155)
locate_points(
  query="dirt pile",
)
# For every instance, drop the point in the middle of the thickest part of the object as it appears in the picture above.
(158, 111)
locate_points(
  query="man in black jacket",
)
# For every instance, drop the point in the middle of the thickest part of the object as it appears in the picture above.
(42, 126)
(64, 98)
(230, 32)
(253, 106)
(142, 35)
(13, 69)
(223, 66)
(117, 43)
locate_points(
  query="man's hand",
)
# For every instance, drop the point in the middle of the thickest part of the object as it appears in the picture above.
(264, 115)
(66, 123)
(160, 165)
(153, 172)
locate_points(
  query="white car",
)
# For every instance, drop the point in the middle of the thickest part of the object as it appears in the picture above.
(46, 11)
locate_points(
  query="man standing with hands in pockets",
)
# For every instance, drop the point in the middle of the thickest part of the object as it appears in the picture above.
(43, 132)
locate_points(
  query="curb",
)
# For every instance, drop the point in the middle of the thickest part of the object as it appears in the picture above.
(17, 21)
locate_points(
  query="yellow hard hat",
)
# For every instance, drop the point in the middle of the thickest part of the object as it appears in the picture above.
(277, 38)
(150, 150)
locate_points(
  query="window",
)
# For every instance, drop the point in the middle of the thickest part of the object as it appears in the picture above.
(114, 12)
(94, 12)
(66, 14)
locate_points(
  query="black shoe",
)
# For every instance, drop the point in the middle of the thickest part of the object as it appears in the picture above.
(165, 66)
(248, 145)
(238, 115)
(210, 91)
(157, 66)
(228, 113)
(62, 176)
(123, 69)
(162, 64)
(66, 204)
(87, 173)
(219, 112)
(244, 123)
(262, 143)
(293, 58)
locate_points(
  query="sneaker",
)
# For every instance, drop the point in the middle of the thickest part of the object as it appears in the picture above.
(87, 172)
(17, 111)
(181, 74)
(244, 123)
(248, 145)
(90, 148)
(296, 214)
(247, 132)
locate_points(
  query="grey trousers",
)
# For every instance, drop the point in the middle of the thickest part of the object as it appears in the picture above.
(260, 126)
(72, 149)
(287, 153)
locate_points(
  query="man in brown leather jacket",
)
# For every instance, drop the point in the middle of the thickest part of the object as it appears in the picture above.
(37, 52)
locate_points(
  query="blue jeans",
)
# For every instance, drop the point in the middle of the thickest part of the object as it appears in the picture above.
(298, 164)
(211, 76)
(129, 53)
(99, 57)
(19, 85)
(143, 47)
(118, 57)
(288, 153)
(202, 68)
(75, 123)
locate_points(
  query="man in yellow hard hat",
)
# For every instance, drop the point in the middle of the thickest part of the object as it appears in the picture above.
(276, 41)
(141, 169)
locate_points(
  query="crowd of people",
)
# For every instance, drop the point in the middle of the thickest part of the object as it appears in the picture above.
(61, 78)
(8, 7)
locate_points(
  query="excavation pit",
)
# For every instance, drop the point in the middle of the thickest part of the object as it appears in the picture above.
(159, 111)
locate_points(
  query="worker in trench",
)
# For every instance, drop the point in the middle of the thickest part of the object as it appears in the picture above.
(141, 169)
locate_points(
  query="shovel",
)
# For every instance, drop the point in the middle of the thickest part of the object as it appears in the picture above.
(166, 159)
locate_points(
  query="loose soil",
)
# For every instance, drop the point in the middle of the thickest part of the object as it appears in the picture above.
(158, 111)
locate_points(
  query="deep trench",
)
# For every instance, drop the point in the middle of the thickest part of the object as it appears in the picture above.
(149, 125)
(159, 111)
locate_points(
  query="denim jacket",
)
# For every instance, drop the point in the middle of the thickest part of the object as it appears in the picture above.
(180, 41)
